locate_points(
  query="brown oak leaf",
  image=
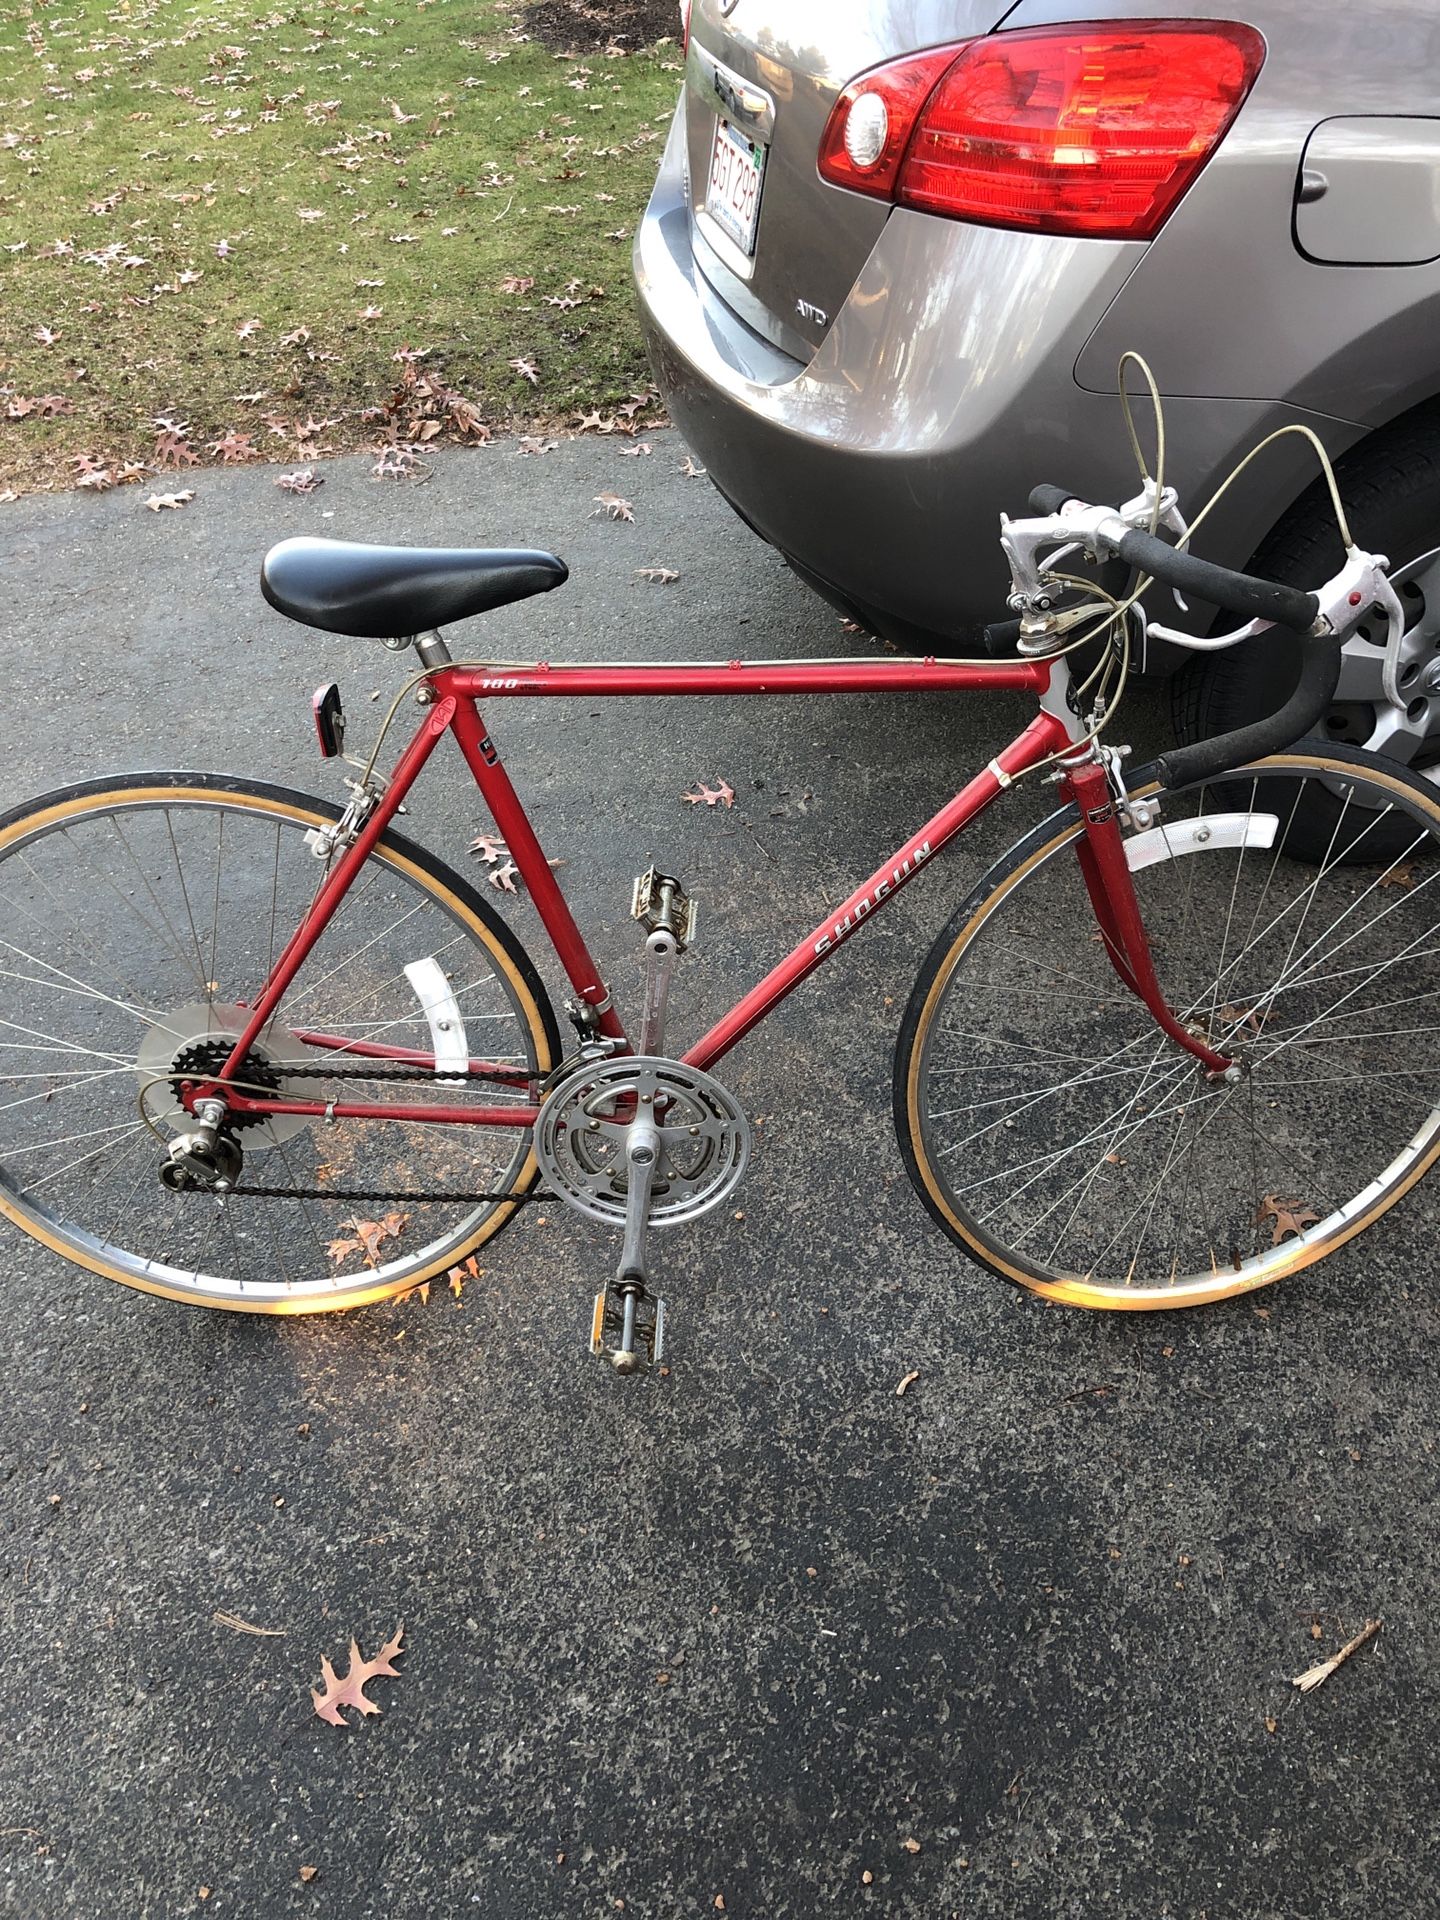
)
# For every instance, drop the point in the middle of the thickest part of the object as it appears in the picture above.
(234, 448)
(1289, 1216)
(489, 848)
(503, 878)
(366, 1237)
(657, 576)
(527, 370)
(158, 501)
(350, 1692)
(305, 480)
(711, 796)
(516, 283)
(618, 509)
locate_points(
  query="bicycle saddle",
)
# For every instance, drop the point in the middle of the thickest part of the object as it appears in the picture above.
(383, 593)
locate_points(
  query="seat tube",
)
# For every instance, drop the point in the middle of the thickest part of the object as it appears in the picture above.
(529, 857)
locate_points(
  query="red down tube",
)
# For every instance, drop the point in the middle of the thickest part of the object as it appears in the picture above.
(1044, 736)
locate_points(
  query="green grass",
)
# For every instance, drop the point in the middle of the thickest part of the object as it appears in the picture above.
(202, 141)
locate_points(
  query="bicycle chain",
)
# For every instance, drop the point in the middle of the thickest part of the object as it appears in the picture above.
(370, 1195)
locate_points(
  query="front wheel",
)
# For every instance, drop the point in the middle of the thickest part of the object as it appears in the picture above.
(142, 917)
(1061, 1139)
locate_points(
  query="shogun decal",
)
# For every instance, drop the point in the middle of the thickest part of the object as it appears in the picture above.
(847, 924)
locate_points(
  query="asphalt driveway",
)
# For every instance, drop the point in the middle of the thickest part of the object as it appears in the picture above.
(760, 1636)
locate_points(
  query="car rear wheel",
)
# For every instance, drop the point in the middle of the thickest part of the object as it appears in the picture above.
(1391, 491)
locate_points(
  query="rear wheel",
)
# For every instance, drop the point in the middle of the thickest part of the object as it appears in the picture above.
(1063, 1141)
(141, 917)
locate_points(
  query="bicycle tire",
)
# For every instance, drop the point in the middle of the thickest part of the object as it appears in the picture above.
(51, 825)
(996, 1201)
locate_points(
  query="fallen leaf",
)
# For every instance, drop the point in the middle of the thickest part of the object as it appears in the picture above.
(158, 501)
(711, 796)
(366, 1237)
(489, 848)
(350, 1692)
(612, 504)
(234, 448)
(1289, 1216)
(527, 370)
(306, 480)
(503, 878)
(1400, 875)
(516, 283)
(657, 576)
(907, 1382)
(307, 1874)
(691, 471)
(46, 336)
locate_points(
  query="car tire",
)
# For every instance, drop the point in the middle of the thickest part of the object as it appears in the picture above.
(1391, 490)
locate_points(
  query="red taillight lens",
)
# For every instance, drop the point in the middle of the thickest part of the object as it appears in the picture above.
(897, 92)
(1094, 130)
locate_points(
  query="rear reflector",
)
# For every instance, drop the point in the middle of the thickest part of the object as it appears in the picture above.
(1094, 130)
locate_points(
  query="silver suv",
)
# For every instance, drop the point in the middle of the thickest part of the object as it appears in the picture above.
(896, 250)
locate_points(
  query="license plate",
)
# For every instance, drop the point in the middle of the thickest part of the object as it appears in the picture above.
(737, 170)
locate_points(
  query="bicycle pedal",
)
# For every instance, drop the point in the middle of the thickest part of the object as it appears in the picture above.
(659, 902)
(628, 1328)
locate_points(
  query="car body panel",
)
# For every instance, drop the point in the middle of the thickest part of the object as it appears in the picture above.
(962, 363)
(812, 239)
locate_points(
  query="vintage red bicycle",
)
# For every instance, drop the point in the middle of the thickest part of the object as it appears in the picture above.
(261, 1052)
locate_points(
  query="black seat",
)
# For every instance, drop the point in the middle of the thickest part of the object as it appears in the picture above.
(382, 593)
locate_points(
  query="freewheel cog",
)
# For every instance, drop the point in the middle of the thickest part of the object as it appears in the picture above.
(580, 1138)
(194, 1042)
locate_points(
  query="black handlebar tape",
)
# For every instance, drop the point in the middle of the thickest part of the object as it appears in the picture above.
(1001, 638)
(1045, 499)
(1208, 759)
(1238, 593)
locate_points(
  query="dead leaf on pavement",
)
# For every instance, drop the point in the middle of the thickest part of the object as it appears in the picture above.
(350, 1692)
(657, 576)
(711, 796)
(691, 471)
(612, 504)
(503, 878)
(906, 1383)
(306, 480)
(1289, 1216)
(157, 501)
(1400, 875)
(489, 848)
(366, 1237)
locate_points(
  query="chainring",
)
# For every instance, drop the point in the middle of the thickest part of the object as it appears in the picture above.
(580, 1138)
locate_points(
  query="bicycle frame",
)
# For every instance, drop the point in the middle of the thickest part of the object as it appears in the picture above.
(456, 691)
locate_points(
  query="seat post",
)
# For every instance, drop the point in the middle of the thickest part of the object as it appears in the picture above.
(432, 649)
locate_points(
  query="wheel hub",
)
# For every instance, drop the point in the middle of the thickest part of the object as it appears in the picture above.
(192, 1044)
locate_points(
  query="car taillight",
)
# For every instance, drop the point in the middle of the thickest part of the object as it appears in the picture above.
(1094, 130)
(685, 6)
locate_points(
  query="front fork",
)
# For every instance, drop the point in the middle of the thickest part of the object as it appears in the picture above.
(1108, 881)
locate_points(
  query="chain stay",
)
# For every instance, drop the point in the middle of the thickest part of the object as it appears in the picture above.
(408, 1074)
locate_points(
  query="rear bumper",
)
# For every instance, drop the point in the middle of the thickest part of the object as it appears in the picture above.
(942, 392)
